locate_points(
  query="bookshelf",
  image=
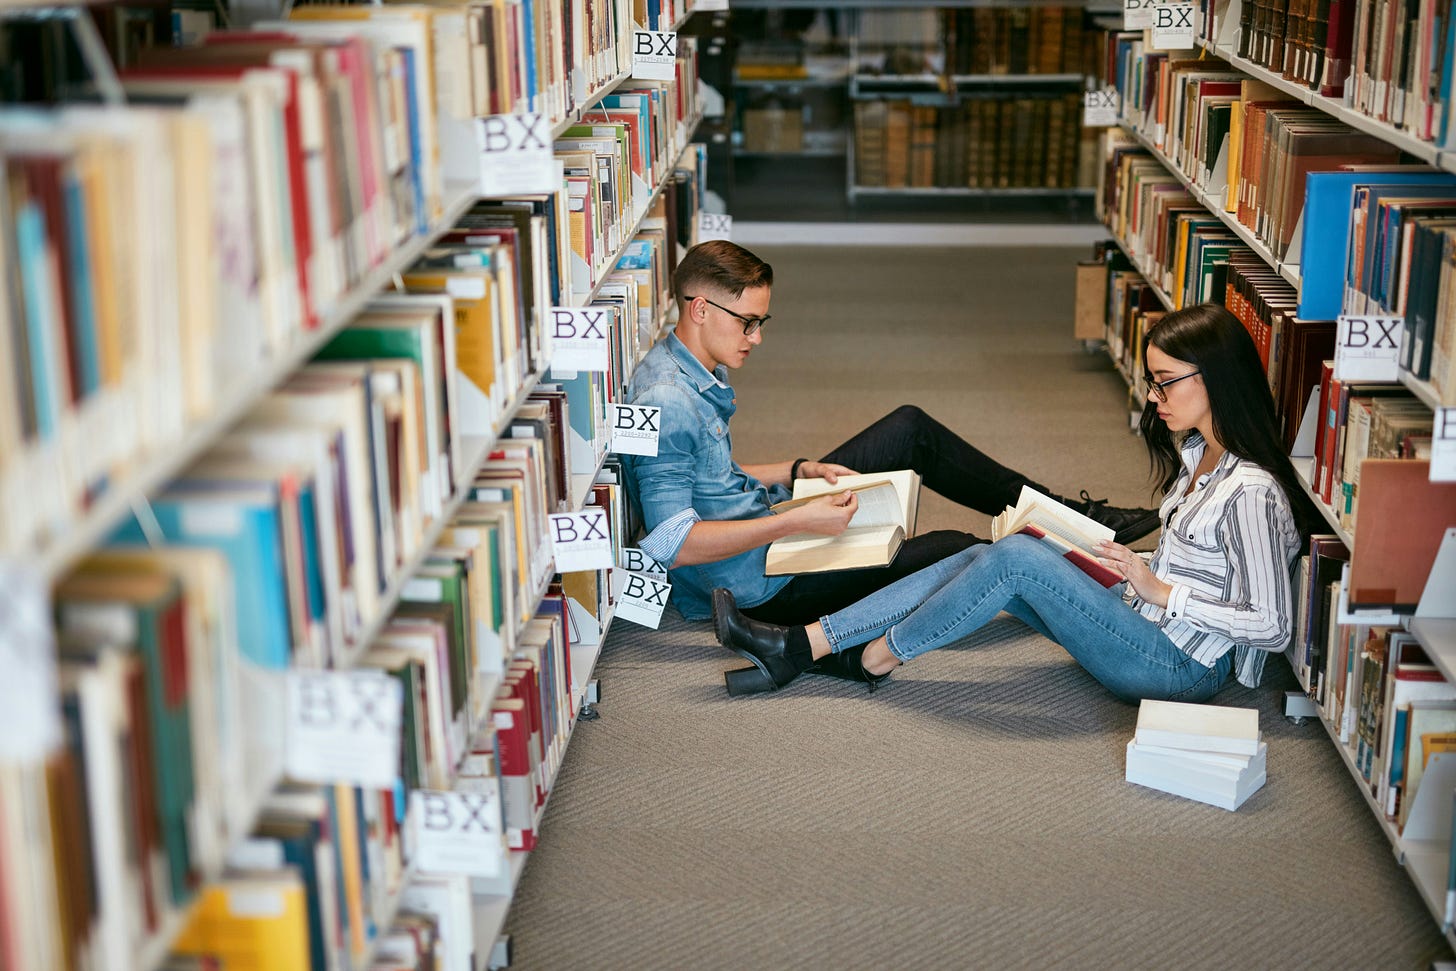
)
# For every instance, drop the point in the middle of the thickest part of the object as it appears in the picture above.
(148, 476)
(1147, 240)
(922, 101)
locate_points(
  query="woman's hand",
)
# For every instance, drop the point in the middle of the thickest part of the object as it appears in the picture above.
(1134, 569)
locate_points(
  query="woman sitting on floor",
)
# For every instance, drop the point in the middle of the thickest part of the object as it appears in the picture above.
(1212, 601)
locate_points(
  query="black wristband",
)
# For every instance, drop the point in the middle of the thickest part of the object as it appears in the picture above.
(794, 469)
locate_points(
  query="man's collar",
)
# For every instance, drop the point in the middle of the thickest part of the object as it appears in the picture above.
(693, 368)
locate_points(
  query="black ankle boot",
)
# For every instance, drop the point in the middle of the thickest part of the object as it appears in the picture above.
(1127, 524)
(777, 658)
(849, 666)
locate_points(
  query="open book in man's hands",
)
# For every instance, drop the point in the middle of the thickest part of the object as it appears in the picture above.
(1072, 533)
(888, 502)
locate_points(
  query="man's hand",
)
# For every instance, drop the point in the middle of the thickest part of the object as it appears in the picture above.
(827, 471)
(827, 515)
(1134, 569)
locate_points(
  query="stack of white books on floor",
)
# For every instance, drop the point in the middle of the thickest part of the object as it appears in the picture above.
(1204, 752)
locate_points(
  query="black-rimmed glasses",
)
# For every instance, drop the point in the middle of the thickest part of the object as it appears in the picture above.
(1160, 388)
(750, 324)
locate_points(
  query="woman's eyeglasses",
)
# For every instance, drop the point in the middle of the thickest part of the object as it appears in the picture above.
(750, 324)
(1160, 388)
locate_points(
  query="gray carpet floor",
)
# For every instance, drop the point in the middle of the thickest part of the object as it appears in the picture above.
(971, 813)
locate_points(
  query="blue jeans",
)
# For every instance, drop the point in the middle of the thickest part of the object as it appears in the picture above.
(1129, 654)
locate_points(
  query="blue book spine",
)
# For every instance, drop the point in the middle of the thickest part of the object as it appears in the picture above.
(417, 155)
(31, 244)
(529, 54)
(83, 326)
(312, 569)
(299, 852)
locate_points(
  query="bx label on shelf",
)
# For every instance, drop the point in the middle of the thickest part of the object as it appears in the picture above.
(344, 727)
(579, 339)
(29, 690)
(709, 6)
(635, 429)
(459, 832)
(634, 560)
(1173, 26)
(642, 599)
(1443, 445)
(1137, 14)
(1099, 108)
(581, 541)
(714, 225)
(1368, 348)
(515, 155)
(653, 54)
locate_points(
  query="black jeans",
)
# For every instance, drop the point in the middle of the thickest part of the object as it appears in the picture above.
(907, 438)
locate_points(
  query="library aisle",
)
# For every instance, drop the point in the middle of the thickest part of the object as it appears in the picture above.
(973, 812)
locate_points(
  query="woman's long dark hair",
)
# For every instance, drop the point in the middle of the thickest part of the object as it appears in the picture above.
(1211, 339)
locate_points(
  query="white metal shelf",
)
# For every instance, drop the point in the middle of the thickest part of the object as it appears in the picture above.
(1304, 469)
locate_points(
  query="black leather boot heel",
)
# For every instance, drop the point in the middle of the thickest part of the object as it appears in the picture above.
(748, 681)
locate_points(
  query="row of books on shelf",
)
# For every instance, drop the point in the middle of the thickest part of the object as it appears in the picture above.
(146, 293)
(1391, 61)
(541, 56)
(175, 663)
(986, 40)
(1376, 687)
(352, 519)
(1013, 140)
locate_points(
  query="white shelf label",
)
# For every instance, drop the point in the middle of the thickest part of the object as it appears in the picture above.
(1443, 445)
(29, 691)
(714, 225)
(709, 6)
(581, 541)
(653, 54)
(1137, 14)
(633, 560)
(579, 339)
(459, 832)
(515, 155)
(1368, 348)
(344, 727)
(642, 600)
(635, 429)
(1099, 108)
(1173, 26)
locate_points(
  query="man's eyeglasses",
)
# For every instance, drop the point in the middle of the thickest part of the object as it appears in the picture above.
(750, 324)
(1160, 388)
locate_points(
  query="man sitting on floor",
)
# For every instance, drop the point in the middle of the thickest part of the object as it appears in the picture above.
(708, 518)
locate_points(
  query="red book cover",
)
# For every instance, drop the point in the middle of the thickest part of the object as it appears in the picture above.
(1327, 378)
(1089, 565)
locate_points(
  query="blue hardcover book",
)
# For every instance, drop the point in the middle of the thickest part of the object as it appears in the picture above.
(654, 15)
(31, 245)
(83, 305)
(1324, 251)
(417, 155)
(528, 19)
(245, 524)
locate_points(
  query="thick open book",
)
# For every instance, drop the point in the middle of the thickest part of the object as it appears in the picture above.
(888, 502)
(1075, 535)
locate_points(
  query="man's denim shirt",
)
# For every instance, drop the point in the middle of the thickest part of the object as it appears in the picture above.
(693, 477)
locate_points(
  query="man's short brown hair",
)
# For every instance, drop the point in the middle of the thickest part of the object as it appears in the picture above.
(722, 266)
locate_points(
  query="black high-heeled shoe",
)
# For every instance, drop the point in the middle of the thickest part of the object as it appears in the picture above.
(763, 644)
(849, 666)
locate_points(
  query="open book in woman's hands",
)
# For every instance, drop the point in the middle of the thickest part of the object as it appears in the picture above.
(888, 502)
(1072, 533)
